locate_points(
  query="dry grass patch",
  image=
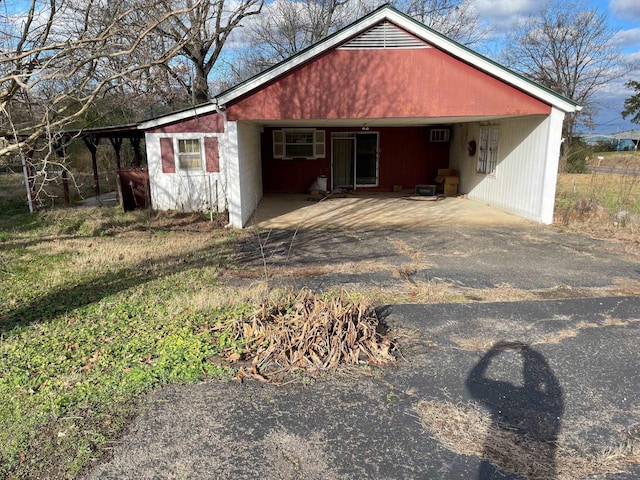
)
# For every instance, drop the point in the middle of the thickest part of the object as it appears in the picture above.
(280, 271)
(602, 205)
(468, 430)
(485, 341)
(405, 249)
(306, 332)
(503, 292)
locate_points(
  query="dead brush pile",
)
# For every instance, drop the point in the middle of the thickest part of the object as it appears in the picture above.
(311, 333)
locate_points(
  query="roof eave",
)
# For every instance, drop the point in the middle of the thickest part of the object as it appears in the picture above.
(174, 117)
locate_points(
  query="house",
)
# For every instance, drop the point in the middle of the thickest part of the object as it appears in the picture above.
(621, 142)
(384, 102)
(627, 141)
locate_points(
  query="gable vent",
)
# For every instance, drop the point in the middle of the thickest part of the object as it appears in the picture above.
(383, 35)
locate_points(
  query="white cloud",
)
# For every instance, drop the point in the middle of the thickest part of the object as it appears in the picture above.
(503, 14)
(628, 38)
(625, 8)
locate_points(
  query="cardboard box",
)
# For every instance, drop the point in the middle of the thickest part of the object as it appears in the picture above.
(450, 189)
(426, 190)
(444, 173)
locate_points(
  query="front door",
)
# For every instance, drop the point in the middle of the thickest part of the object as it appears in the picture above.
(354, 159)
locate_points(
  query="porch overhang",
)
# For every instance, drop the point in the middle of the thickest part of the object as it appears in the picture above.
(379, 122)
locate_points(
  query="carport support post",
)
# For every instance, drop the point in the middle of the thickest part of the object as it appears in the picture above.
(137, 155)
(234, 192)
(554, 141)
(61, 151)
(116, 143)
(92, 144)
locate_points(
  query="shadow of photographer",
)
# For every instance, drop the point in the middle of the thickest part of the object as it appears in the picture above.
(526, 418)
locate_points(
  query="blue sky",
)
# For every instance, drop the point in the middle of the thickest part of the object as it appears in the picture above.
(624, 16)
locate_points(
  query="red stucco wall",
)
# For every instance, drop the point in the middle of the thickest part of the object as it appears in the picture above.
(406, 158)
(384, 84)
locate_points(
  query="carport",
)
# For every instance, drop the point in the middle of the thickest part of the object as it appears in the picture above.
(374, 210)
(382, 105)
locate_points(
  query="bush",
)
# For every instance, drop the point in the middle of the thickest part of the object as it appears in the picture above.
(577, 163)
(577, 157)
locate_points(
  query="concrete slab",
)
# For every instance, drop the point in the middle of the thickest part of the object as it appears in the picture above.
(372, 210)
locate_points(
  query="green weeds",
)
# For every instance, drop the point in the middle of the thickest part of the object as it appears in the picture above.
(95, 310)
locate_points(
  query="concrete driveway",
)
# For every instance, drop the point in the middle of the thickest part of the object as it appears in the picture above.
(374, 210)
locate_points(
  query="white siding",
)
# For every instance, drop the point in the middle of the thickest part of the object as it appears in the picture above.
(184, 190)
(525, 177)
(244, 172)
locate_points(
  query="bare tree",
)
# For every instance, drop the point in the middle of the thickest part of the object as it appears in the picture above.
(454, 18)
(57, 59)
(569, 49)
(201, 33)
(79, 63)
(288, 26)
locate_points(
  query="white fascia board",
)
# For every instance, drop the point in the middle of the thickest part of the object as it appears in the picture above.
(462, 53)
(178, 116)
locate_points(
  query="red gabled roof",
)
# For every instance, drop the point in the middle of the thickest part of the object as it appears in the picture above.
(298, 89)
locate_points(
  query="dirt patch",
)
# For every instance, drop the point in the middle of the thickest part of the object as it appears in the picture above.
(295, 457)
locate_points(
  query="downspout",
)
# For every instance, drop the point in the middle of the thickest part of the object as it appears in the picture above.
(222, 112)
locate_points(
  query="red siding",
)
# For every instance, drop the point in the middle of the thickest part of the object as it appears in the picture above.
(412, 83)
(406, 158)
(209, 123)
(211, 154)
(168, 157)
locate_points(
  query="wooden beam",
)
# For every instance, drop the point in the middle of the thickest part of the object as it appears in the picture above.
(92, 144)
(116, 143)
(137, 155)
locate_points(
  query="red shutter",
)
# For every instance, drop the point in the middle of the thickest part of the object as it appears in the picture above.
(168, 157)
(211, 154)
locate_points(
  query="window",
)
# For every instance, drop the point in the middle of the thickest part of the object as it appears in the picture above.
(488, 150)
(307, 143)
(189, 154)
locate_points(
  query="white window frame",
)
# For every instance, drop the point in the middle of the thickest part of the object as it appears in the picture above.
(488, 145)
(179, 154)
(318, 147)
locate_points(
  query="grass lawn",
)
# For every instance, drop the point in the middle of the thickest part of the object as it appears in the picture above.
(97, 307)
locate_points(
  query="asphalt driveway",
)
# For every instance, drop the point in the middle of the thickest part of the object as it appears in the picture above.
(531, 389)
(523, 256)
(416, 420)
